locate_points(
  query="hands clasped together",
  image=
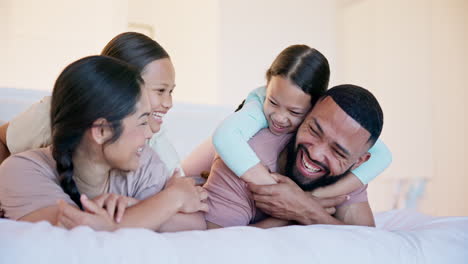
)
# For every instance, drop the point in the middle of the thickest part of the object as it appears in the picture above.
(106, 212)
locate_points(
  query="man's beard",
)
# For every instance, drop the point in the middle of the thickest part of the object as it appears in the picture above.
(305, 183)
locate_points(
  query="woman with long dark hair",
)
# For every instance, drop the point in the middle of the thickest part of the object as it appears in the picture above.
(99, 122)
(155, 66)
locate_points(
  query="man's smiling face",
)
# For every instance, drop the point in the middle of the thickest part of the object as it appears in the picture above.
(328, 144)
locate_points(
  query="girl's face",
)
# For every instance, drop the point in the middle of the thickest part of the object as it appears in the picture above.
(125, 152)
(286, 105)
(159, 77)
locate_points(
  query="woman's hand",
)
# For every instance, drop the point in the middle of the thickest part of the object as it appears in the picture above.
(95, 216)
(114, 204)
(191, 197)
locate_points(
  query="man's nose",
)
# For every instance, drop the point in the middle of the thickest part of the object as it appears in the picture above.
(317, 152)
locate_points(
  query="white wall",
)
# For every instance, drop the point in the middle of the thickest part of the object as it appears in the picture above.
(396, 71)
(222, 49)
(447, 192)
(188, 31)
(252, 33)
(411, 54)
(41, 37)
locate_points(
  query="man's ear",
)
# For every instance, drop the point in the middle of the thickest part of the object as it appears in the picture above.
(365, 157)
(101, 131)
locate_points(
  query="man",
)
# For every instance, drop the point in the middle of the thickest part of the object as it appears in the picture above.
(333, 139)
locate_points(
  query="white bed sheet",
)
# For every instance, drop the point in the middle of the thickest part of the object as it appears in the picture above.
(400, 237)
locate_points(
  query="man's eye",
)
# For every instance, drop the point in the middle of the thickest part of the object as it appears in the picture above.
(339, 154)
(314, 132)
(273, 103)
(144, 124)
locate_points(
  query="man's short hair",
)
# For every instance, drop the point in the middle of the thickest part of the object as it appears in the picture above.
(361, 105)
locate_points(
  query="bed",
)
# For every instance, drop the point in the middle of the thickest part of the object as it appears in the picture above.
(401, 236)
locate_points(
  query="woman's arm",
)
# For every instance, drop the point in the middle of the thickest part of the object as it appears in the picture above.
(159, 213)
(48, 214)
(28, 187)
(153, 213)
(165, 220)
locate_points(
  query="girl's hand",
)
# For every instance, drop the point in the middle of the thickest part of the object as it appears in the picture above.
(191, 197)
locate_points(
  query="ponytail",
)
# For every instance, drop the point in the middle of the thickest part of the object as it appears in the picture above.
(66, 142)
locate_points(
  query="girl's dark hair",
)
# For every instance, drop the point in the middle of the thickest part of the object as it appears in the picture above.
(134, 48)
(304, 66)
(88, 89)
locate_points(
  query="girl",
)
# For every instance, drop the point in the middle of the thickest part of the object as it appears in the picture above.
(295, 81)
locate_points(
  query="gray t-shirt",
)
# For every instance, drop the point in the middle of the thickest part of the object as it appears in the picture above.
(29, 181)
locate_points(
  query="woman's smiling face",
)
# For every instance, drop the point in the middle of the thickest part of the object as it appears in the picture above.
(124, 154)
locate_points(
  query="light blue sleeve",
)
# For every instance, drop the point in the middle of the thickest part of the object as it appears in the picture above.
(380, 159)
(232, 135)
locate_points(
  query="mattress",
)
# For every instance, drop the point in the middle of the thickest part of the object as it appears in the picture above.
(401, 236)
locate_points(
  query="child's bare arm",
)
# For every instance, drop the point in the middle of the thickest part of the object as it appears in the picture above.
(380, 159)
(344, 186)
(200, 159)
(259, 175)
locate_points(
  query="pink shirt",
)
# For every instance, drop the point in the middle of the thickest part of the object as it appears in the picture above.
(231, 202)
(29, 181)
